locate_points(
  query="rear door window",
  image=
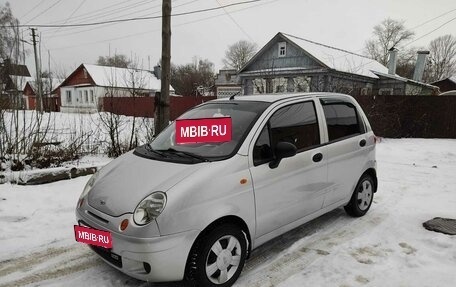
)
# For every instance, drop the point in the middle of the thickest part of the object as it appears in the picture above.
(342, 120)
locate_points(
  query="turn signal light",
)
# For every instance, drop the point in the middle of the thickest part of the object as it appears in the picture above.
(124, 224)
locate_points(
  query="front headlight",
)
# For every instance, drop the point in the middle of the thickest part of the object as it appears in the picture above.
(149, 208)
(89, 185)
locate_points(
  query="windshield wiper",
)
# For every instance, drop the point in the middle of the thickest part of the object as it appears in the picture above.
(188, 154)
(160, 153)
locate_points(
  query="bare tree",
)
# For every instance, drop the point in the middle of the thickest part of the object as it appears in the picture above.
(442, 58)
(187, 78)
(123, 132)
(238, 54)
(119, 61)
(388, 34)
(7, 34)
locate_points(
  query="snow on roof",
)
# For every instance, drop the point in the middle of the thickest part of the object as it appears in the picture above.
(338, 59)
(20, 81)
(453, 79)
(45, 82)
(123, 78)
(402, 79)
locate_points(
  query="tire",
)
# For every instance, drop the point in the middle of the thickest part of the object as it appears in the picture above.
(217, 258)
(362, 197)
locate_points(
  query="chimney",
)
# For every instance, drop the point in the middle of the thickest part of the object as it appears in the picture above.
(392, 61)
(157, 71)
(419, 66)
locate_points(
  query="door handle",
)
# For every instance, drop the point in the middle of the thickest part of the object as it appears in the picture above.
(317, 157)
(362, 143)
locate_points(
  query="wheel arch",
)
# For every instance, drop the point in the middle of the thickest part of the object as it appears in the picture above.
(373, 173)
(228, 219)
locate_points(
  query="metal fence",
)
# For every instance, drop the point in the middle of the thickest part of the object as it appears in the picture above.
(411, 116)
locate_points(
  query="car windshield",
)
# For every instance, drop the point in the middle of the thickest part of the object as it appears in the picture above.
(243, 115)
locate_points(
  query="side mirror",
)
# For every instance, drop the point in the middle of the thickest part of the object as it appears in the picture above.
(283, 150)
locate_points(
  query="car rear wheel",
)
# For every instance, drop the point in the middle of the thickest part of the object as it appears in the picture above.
(362, 197)
(218, 257)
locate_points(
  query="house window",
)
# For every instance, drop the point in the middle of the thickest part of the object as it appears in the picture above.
(86, 96)
(282, 49)
(91, 96)
(80, 97)
(385, 91)
(68, 96)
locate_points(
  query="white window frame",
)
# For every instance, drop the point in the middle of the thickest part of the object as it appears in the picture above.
(68, 96)
(92, 99)
(282, 52)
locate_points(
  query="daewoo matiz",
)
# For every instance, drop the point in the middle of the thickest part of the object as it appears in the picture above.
(194, 210)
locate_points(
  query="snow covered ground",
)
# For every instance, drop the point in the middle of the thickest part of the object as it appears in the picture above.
(387, 247)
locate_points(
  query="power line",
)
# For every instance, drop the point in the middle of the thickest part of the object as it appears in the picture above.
(105, 10)
(444, 24)
(237, 24)
(154, 30)
(65, 33)
(105, 13)
(138, 18)
(74, 11)
(42, 12)
(32, 9)
(417, 26)
(430, 20)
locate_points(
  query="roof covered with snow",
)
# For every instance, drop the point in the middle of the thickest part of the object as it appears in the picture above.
(45, 82)
(123, 78)
(339, 59)
(20, 81)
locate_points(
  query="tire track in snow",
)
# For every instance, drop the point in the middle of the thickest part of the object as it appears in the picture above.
(284, 260)
(25, 262)
(78, 260)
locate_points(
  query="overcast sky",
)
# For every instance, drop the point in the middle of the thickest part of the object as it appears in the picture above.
(345, 24)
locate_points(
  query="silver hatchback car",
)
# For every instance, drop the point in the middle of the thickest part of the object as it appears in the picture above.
(195, 211)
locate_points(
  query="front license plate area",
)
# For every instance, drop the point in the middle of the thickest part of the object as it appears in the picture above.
(93, 236)
(107, 255)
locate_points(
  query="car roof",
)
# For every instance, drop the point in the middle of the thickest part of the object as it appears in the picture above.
(270, 98)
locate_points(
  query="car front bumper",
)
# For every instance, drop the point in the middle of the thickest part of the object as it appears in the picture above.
(155, 259)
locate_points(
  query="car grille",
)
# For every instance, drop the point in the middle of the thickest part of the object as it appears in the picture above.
(108, 255)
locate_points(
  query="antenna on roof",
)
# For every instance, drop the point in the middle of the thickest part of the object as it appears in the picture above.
(232, 97)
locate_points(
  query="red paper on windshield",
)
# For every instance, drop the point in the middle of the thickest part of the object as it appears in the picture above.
(208, 130)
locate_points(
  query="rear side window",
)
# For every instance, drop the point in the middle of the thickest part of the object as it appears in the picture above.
(342, 120)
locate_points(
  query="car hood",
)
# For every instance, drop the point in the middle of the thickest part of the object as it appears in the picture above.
(123, 183)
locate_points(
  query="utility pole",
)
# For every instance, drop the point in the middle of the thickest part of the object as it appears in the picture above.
(39, 99)
(162, 107)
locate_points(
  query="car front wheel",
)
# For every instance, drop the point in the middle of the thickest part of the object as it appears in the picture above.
(218, 257)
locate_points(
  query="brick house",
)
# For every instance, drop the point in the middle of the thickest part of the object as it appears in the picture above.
(51, 94)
